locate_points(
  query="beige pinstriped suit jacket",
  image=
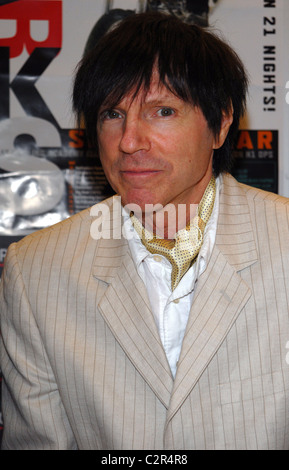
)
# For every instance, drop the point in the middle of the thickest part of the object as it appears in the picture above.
(81, 356)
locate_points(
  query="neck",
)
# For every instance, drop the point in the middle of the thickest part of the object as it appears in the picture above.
(167, 221)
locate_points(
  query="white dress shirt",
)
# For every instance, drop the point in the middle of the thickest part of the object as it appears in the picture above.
(171, 309)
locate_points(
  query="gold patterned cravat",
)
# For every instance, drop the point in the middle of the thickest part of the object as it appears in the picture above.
(182, 252)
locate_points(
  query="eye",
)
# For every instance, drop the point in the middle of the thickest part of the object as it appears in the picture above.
(165, 112)
(110, 114)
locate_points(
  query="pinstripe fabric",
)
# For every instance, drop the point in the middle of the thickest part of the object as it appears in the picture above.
(83, 363)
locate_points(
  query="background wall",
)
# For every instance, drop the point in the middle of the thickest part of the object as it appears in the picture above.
(47, 172)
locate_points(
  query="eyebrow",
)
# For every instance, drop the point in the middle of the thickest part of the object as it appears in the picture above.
(161, 99)
(159, 102)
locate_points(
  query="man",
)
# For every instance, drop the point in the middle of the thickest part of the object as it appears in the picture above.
(107, 344)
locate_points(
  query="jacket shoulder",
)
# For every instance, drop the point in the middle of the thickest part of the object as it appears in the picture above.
(66, 237)
(252, 194)
(256, 194)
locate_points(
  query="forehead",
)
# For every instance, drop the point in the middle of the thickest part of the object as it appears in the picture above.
(156, 93)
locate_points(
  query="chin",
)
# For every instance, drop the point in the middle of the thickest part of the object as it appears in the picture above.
(139, 197)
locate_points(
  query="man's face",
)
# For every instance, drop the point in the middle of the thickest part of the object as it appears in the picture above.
(156, 148)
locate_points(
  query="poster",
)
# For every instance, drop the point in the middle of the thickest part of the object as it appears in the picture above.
(47, 170)
(258, 32)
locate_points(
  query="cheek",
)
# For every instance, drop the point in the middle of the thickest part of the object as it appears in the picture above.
(194, 158)
(200, 144)
(104, 148)
(107, 154)
(107, 166)
(108, 142)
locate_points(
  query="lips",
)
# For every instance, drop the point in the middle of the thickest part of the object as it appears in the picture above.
(139, 173)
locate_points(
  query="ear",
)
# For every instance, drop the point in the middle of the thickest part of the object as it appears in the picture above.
(227, 119)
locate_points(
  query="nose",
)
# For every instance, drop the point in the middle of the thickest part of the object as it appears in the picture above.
(135, 136)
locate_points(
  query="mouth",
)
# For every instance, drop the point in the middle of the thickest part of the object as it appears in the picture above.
(139, 173)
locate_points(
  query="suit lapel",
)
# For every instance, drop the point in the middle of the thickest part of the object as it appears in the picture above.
(221, 292)
(126, 310)
(220, 296)
(235, 235)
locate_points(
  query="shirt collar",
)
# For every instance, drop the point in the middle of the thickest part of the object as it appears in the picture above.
(140, 253)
